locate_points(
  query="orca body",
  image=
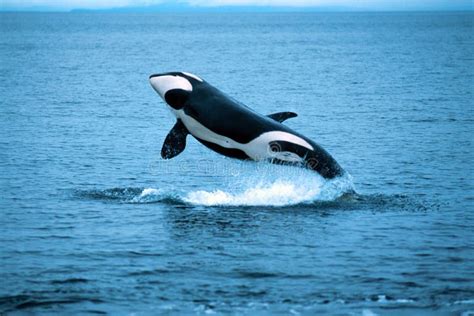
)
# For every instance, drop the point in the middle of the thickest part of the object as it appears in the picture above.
(232, 129)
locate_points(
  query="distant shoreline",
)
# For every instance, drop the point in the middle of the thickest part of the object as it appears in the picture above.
(188, 8)
(236, 11)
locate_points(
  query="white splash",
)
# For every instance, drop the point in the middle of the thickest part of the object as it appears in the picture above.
(254, 184)
(279, 193)
(147, 196)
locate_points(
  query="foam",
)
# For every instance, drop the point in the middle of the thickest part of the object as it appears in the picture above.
(148, 195)
(278, 192)
(242, 184)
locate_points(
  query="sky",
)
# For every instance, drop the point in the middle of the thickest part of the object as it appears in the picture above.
(376, 5)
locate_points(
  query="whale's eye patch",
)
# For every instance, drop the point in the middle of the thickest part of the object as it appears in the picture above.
(176, 98)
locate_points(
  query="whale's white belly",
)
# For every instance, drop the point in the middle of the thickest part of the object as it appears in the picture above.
(258, 149)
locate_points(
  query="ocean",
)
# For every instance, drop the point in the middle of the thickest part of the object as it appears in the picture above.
(93, 221)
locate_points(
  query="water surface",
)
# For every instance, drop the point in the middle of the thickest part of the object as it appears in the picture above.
(93, 221)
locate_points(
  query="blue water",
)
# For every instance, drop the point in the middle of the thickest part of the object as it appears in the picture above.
(93, 221)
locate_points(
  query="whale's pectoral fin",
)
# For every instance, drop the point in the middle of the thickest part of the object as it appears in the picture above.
(175, 141)
(282, 116)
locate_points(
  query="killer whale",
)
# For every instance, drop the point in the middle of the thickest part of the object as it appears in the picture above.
(232, 129)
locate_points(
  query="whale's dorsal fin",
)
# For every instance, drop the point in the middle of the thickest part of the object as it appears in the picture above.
(175, 141)
(282, 116)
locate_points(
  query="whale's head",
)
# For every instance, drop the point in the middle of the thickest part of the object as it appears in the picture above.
(175, 87)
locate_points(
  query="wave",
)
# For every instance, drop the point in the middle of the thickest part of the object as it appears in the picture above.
(131, 195)
(277, 193)
(56, 303)
(284, 186)
(269, 198)
(241, 184)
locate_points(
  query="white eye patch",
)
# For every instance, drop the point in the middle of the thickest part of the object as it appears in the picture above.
(163, 84)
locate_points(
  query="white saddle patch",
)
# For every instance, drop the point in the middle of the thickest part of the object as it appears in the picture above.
(260, 149)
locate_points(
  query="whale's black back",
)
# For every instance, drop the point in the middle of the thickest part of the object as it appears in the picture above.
(225, 116)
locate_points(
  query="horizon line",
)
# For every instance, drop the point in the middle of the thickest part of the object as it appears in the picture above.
(113, 11)
(250, 8)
